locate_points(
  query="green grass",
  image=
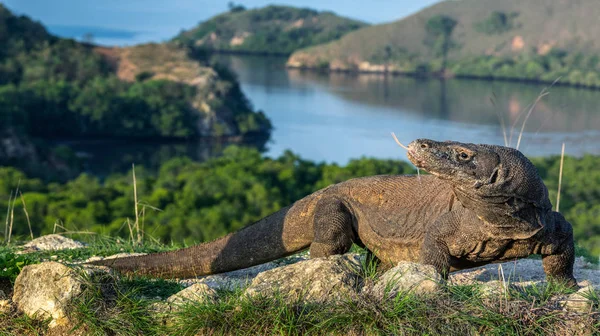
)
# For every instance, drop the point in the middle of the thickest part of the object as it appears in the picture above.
(126, 308)
(122, 312)
(11, 263)
(461, 309)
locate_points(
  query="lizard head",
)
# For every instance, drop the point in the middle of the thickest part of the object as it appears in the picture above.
(483, 175)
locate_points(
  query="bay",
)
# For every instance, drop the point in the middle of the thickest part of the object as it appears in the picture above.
(338, 116)
(335, 117)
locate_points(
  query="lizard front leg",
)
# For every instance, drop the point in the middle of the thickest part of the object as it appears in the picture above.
(450, 239)
(333, 233)
(435, 250)
(558, 253)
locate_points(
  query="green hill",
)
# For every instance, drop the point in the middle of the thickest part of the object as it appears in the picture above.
(270, 30)
(55, 87)
(533, 39)
(52, 88)
(19, 34)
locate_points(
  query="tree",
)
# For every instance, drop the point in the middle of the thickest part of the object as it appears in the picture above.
(439, 30)
(234, 8)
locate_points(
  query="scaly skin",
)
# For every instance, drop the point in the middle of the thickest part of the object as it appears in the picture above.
(484, 204)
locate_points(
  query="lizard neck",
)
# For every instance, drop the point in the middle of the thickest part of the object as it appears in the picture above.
(506, 215)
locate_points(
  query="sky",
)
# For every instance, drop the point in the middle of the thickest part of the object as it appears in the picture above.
(125, 22)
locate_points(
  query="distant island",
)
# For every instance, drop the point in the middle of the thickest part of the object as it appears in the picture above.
(275, 30)
(534, 40)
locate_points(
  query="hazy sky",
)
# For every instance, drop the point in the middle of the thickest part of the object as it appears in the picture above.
(134, 21)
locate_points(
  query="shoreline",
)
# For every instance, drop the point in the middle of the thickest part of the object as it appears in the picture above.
(439, 76)
(210, 51)
(252, 136)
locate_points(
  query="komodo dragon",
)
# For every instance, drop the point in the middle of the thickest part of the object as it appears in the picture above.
(483, 204)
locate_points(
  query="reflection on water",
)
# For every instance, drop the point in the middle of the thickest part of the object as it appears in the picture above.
(335, 117)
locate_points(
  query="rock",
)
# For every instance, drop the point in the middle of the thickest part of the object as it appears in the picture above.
(316, 280)
(52, 242)
(45, 290)
(579, 301)
(523, 272)
(240, 278)
(493, 289)
(196, 293)
(406, 277)
(5, 306)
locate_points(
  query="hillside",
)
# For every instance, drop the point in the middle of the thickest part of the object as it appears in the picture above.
(54, 87)
(268, 30)
(534, 39)
(19, 33)
(59, 88)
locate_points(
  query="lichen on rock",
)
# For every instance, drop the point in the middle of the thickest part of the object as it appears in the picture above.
(47, 290)
(404, 278)
(52, 242)
(328, 279)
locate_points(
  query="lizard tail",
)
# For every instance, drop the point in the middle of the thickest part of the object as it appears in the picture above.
(272, 237)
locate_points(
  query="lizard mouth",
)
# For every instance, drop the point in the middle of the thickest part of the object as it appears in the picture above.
(412, 156)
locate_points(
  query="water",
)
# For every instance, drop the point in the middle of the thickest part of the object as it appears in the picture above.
(337, 117)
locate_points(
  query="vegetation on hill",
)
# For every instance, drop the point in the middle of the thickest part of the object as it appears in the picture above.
(535, 40)
(202, 201)
(268, 30)
(52, 87)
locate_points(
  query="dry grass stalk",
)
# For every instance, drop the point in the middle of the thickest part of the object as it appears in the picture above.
(143, 220)
(560, 173)
(537, 100)
(56, 225)
(135, 199)
(7, 216)
(12, 213)
(542, 94)
(131, 236)
(67, 231)
(501, 118)
(26, 215)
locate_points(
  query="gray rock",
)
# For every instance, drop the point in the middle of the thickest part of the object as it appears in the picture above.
(196, 293)
(5, 306)
(45, 290)
(240, 278)
(404, 278)
(316, 280)
(579, 301)
(493, 289)
(522, 272)
(52, 242)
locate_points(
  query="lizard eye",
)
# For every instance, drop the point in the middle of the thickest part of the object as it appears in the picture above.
(463, 156)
